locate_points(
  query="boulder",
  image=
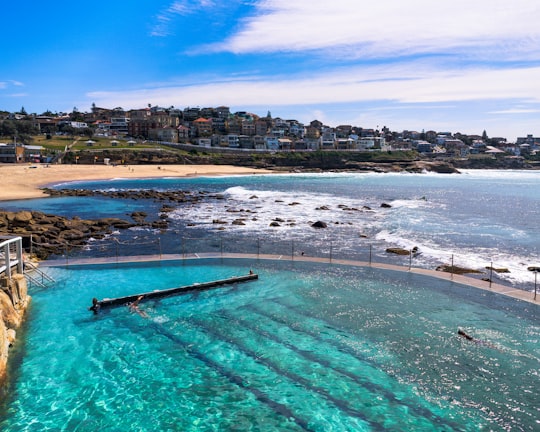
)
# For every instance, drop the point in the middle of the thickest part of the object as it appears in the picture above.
(398, 251)
(456, 270)
(498, 269)
(139, 217)
(319, 224)
(21, 218)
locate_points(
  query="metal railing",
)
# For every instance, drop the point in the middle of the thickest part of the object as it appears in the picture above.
(11, 255)
(36, 276)
(114, 249)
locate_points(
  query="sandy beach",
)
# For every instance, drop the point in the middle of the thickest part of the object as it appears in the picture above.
(19, 181)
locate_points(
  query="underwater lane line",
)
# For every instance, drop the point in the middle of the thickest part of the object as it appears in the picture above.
(377, 389)
(340, 404)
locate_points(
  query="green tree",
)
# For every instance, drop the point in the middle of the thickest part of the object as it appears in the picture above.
(8, 128)
(88, 132)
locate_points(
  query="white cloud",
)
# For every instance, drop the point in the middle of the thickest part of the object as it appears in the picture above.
(517, 111)
(10, 83)
(413, 83)
(388, 27)
(163, 19)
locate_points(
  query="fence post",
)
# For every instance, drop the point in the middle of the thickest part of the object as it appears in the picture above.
(535, 273)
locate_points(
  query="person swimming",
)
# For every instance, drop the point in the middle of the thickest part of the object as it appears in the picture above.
(134, 307)
(465, 335)
(95, 306)
(476, 341)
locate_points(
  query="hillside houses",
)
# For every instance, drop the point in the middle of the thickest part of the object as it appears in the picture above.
(220, 128)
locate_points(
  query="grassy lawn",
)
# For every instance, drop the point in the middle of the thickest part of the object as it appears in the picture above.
(80, 143)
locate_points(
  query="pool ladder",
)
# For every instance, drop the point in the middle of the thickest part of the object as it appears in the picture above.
(36, 276)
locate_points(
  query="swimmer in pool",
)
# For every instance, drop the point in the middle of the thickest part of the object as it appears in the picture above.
(134, 307)
(476, 341)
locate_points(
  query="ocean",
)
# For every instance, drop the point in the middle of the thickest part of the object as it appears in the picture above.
(475, 219)
(307, 346)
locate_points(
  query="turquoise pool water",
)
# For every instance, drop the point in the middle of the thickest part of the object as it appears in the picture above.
(305, 347)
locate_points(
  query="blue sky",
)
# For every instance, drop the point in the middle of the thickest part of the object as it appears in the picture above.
(458, 66)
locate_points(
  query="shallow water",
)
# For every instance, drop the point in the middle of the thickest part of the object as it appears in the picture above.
(305, 347)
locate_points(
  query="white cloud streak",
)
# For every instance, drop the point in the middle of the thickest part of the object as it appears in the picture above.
(161, 28)
(387, 27)
(412, 84)
(9, 83)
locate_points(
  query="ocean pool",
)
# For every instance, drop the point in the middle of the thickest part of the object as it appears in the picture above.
(305, 347)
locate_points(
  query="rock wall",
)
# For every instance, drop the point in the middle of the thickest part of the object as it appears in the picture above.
(14, 301)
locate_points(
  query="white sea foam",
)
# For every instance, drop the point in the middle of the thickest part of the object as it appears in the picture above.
(294, 210)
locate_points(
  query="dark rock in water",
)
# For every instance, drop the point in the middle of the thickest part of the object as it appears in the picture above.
(161, 224)
(398, 251)
(456, 270)
(274, 224)
(385, 205)
(498, 269)
(319, 224)
(238, 222)
(139, 216)
(166, 208)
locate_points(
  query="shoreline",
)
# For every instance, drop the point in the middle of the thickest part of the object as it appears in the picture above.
(21, 182)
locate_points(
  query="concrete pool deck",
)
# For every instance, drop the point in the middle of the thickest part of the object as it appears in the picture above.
(508, 291)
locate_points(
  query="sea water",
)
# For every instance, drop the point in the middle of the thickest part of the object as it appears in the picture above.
(305, 347)
(476, 219)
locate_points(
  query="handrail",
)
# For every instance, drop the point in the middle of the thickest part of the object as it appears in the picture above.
(30, 266)
(8, 246)
(35, 281)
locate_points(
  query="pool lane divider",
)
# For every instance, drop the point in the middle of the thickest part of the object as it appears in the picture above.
(187, 289)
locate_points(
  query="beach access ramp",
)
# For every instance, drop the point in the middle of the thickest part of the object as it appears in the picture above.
(196, 287)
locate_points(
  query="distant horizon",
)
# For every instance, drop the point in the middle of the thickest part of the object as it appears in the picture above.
(417, 65)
